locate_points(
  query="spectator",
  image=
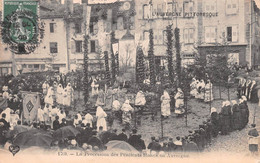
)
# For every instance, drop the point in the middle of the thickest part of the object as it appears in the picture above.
(56, 123)
(122, 136)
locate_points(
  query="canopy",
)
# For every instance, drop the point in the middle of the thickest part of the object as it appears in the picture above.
(33, 137)
(17, 129)
(116, 145)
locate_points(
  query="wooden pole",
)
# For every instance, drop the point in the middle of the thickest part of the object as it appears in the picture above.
(254, 115)
(161, 125)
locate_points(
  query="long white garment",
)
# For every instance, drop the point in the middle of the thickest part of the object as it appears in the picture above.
(140, 99)
(101, 121)
(93, 92)
(193, 87)
(179, 98)
(116, 105)
(45, 87)
(49, 97)
(13, 119)
(208, 92)
(59, 95)
(248, 82)
(66, 98)
(88, 119)
(165, 105)
(7, 112)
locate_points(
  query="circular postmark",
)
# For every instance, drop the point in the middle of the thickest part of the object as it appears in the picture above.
(22, 31)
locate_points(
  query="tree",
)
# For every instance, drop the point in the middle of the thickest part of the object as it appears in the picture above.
(113, 62)
(108, 77)
(151, 57)
(85, 70)
(178, 55)
(169, 52)
(140, 76)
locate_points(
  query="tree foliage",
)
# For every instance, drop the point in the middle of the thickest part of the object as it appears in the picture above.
(151, 57)
(178, 55)
(85, 70)
(140, 74)
(170, 52)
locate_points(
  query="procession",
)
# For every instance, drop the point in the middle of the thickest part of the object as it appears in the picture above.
(151, 78)
(60, 127)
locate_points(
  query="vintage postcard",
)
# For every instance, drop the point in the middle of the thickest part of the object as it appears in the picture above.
(130, 80)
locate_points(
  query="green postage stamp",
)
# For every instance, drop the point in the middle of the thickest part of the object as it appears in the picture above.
(20, 28)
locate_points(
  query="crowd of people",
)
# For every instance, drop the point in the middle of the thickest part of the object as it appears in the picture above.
(248, 88)
(201, 90)
(95, 133)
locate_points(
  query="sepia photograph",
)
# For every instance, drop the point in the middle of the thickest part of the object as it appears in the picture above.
(129, 81)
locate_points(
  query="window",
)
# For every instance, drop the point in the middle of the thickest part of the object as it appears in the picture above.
(188, 8)
(36, 66)
(210, 6)
(120, 25)
(78, 45)
(146, 11)
(24, 66)
(231, 7)
(91, 27)
(232, 33)
(92, 46)
(188, 35)
(30, 66)
(42, 67)
(5, 70)
(77, 28)
(210, 34)
(53, 47)
(52, 27)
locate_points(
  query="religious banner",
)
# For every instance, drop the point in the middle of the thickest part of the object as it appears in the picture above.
(31, 103)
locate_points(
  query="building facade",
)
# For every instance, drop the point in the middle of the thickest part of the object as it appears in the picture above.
(206, 27)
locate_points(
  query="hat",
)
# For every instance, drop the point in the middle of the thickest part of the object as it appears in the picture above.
(73, 142)
(234, 102)
(213, 110)
(244, 98)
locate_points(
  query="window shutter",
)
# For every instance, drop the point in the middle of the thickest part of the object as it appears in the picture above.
(185, 35)
(207, 34)
(72, 46)
(228, 7)
(235, 33)
(96, 45)
(95, 28)
(153, 12)
(191, 35)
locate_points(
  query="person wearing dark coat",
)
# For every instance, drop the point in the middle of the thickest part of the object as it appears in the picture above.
(253, 140)
(122, 136)
(253, 93)
(56, 123)
(113, 135)
(202, 137)
(244, 112)
(236, 118)
(214, 118)
(191, 146)
(63, 122)
(135, 141)
(178, 145)
(154, 145)
(171, 145)
(225, 118)
(95, 141)
(4, 127)
(208, 130)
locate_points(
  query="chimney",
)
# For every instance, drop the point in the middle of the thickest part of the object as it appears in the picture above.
(69, 6)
